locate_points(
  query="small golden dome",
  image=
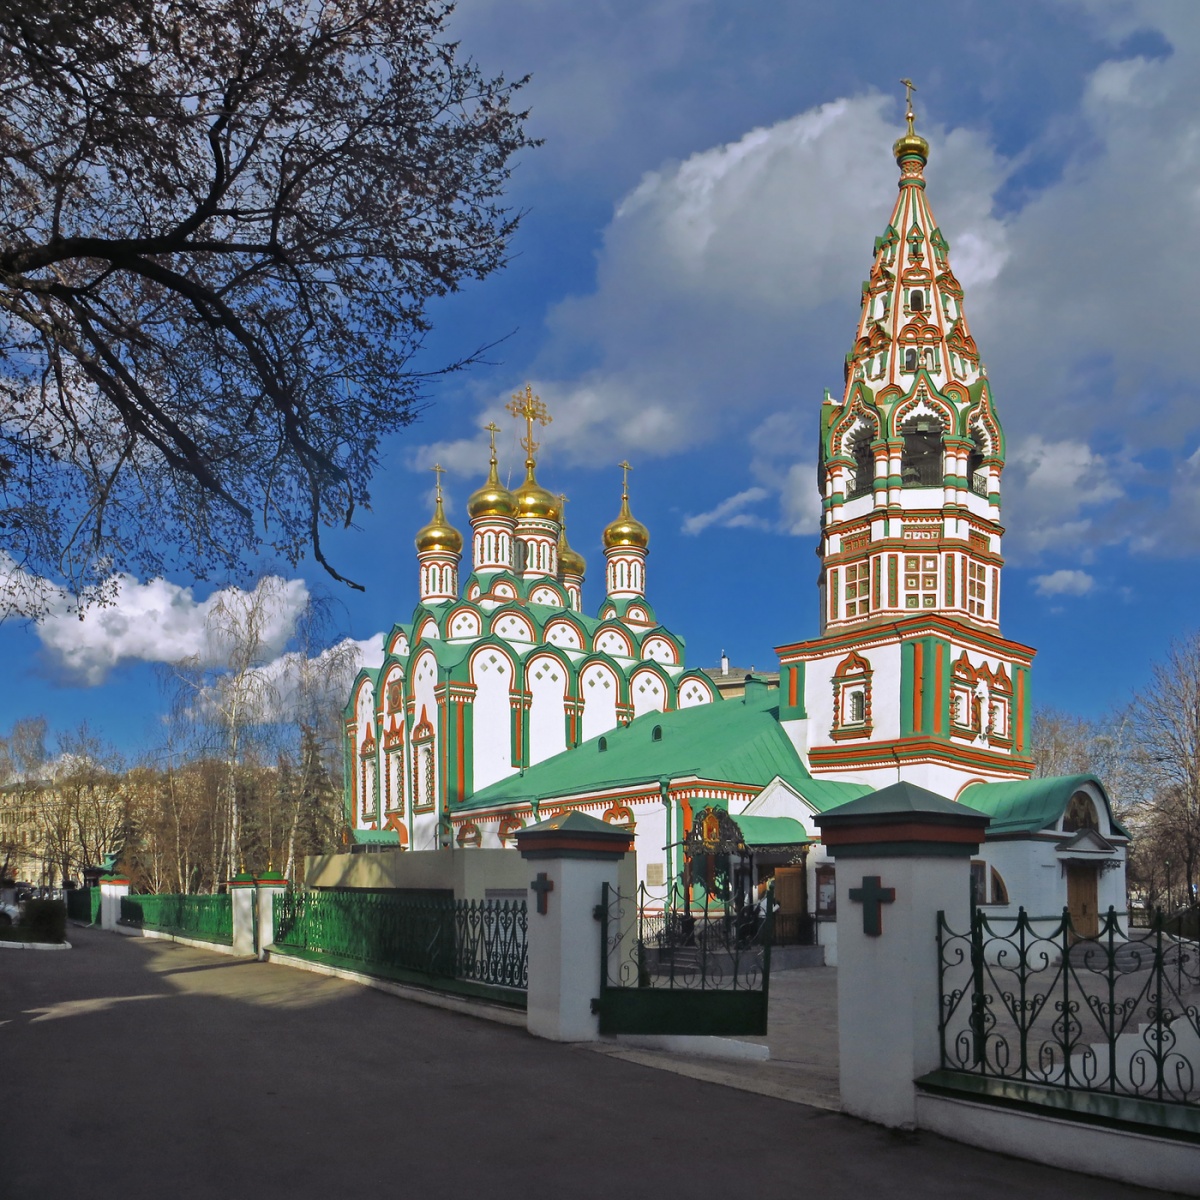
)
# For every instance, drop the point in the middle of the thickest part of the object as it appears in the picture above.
(911, 143)
(491, 500)
(570, 562)
(534, 503)
(439, 534)
(626, 530)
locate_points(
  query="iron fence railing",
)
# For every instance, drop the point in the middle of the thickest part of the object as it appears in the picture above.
(83, 904)
(1032, 999)
(479, 941)
(685, 946)
(207, 918)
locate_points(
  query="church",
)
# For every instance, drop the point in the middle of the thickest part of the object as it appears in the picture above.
(500, 704)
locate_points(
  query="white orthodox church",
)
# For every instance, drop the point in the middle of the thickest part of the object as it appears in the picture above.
(501, 704)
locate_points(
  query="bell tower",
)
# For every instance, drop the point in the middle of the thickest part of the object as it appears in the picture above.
(910, 673)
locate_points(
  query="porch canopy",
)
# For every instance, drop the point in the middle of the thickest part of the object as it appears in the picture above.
(773, 839)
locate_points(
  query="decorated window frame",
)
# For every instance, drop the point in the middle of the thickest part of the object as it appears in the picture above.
(424, 767)
(852, 699)
(368, 769)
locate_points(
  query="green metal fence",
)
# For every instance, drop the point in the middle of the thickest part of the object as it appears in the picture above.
(83, 904)
(207, 918)
(472, 946)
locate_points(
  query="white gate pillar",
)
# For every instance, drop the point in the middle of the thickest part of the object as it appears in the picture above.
(903, 854)
(111, 891)
(242, 897)
(269, 885)
(572, 856)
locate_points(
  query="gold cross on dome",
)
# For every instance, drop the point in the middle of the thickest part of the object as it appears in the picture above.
(439, 471)
(625, 469)
(909, 116)
(492, 429)
(526, 404)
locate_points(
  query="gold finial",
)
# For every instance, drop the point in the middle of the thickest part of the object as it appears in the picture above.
(439, 471)
(526, 404)
(562, 508)
(492, 429)
(625, 469)
(909, 116)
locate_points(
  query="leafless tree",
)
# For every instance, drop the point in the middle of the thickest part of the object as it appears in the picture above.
(1166, 716)
(221, 224)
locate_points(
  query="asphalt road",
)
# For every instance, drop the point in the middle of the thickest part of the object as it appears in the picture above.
(148, 1069)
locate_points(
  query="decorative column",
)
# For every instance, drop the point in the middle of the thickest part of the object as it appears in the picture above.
(111, 891)
(571, 857)
(903, 854)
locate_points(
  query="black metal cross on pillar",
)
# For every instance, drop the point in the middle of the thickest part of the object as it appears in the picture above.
(544, 885)
(872, 897)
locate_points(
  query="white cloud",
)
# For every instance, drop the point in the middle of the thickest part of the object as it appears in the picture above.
(730, 513)
(1064, 583)
(161, 622)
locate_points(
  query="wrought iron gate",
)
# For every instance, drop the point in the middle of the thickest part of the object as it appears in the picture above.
(681, 970)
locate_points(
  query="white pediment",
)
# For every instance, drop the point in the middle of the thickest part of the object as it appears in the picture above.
(780, 799)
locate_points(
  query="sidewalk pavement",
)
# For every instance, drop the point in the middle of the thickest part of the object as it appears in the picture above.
(154, 1069)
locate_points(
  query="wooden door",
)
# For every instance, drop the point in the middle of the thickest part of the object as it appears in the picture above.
(790, 890)
(1081, 898)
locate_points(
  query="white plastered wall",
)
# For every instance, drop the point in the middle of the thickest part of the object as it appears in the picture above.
(491, 751)
(546, 681)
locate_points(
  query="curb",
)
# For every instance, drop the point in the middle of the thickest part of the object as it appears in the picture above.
(35, 945)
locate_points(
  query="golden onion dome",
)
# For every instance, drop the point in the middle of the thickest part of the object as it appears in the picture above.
(534, 503)
(491, 500)
(439, 534)
(570, 562)
(626, 530)
(911, 143)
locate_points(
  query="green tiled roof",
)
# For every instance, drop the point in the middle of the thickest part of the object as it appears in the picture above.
(732, 741)
(1028, 805)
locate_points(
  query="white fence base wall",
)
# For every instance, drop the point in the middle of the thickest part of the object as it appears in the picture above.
(434, 999)
(162, 935)
(1073, 1145)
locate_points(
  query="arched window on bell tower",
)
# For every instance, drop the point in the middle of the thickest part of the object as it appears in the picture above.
(863, 483)
(976, 476)
(921, 462)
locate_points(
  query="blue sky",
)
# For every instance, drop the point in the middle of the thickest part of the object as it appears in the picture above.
(685, 285)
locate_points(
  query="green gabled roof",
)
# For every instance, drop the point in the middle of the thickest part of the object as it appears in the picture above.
(1030, 805)
(732, 741)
